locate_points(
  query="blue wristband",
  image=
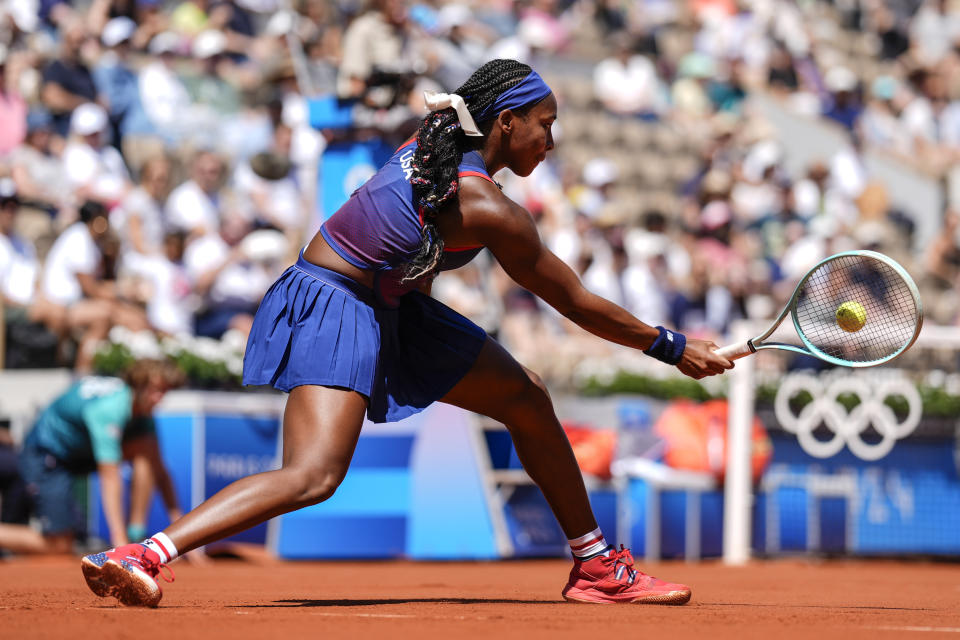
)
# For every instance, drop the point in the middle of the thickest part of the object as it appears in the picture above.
(668, 347)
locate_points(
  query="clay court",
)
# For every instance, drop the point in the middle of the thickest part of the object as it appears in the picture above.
(238, 599)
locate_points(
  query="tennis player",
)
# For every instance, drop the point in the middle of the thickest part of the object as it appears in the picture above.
(350, 330)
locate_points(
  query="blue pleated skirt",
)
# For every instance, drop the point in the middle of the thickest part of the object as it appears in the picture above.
(316, 326)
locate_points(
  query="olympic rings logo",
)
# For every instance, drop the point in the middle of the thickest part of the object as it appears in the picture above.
(847, 427)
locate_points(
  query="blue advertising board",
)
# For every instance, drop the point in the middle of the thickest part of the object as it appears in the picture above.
(344, 167)
(237, 446)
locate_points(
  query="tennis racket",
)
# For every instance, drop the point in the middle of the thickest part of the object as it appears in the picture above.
(853, 309)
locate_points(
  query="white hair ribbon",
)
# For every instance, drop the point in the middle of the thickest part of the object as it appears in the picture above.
(437, 101)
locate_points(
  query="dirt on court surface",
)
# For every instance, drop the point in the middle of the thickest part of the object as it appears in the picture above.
(233, 600)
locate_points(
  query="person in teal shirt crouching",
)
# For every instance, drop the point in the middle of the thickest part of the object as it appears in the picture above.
(94, 426)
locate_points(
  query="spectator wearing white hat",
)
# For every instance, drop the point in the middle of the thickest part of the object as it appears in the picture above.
(18, 258)
(23, 312)
(226, 272)
(67, 81)
(147, 16)
(756, 193)
(460, 45)
(162, 93)
(138, 220)
(931, 119)
(267, 182)
(151, 255)
(599, 176)
(627, 84)
(215, 99)
(194, 207)
(880, 122)
(36, 167)
(689, 91)
(94, 169)
(211, 86)
(842, 103)
(117, 82)
(935, 30)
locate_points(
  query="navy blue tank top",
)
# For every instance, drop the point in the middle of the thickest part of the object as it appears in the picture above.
(378, 228)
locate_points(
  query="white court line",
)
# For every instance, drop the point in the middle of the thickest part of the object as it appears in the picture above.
(934, 629)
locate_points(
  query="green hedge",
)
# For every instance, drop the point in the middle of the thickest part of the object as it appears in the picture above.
(937, 402)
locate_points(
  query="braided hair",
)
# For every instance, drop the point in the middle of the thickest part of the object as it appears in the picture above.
(440, 146)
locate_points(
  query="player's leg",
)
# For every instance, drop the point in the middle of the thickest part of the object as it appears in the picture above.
(320, 430)
(499, 387)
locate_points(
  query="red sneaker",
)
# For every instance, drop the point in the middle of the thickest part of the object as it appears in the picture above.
(611, 579)
(128, 573)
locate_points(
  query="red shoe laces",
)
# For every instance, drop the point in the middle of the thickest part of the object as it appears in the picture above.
(626, 558)
(623, 555)
(153, 569)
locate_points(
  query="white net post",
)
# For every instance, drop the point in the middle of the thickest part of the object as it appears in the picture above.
(737, 495)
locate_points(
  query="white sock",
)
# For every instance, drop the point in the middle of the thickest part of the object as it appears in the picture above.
(588, 544)
(163, 546)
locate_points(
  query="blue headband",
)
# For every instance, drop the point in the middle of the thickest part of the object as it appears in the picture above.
(531, 90)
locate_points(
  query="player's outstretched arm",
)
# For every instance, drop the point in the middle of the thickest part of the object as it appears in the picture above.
(511, 234)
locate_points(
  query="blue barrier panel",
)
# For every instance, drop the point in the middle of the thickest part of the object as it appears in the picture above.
(500, 447)
(367, 515)
(604, 503)
(673, 522)
(533, 528)
(673, 506)
(637, 492)
(340, 537)
(365, 518)
(236, 446)
(711, 523)
(792, 507)
(832, 514)
(450, 515)
(907, 502)
(758, 535)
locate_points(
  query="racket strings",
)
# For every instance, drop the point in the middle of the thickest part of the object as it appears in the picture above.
(890, 309)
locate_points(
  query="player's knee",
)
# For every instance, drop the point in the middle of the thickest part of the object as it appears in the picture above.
(533, 392)
(526, 395)
(311, 486)
(537, 387)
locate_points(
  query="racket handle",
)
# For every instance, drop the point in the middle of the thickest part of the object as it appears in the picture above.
(736, 351)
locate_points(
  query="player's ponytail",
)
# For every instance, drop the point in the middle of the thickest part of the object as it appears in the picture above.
(440, 146)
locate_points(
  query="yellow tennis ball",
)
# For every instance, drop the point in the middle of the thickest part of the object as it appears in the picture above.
(851, 316)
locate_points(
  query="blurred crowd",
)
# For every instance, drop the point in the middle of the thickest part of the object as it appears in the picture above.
(158, 167)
